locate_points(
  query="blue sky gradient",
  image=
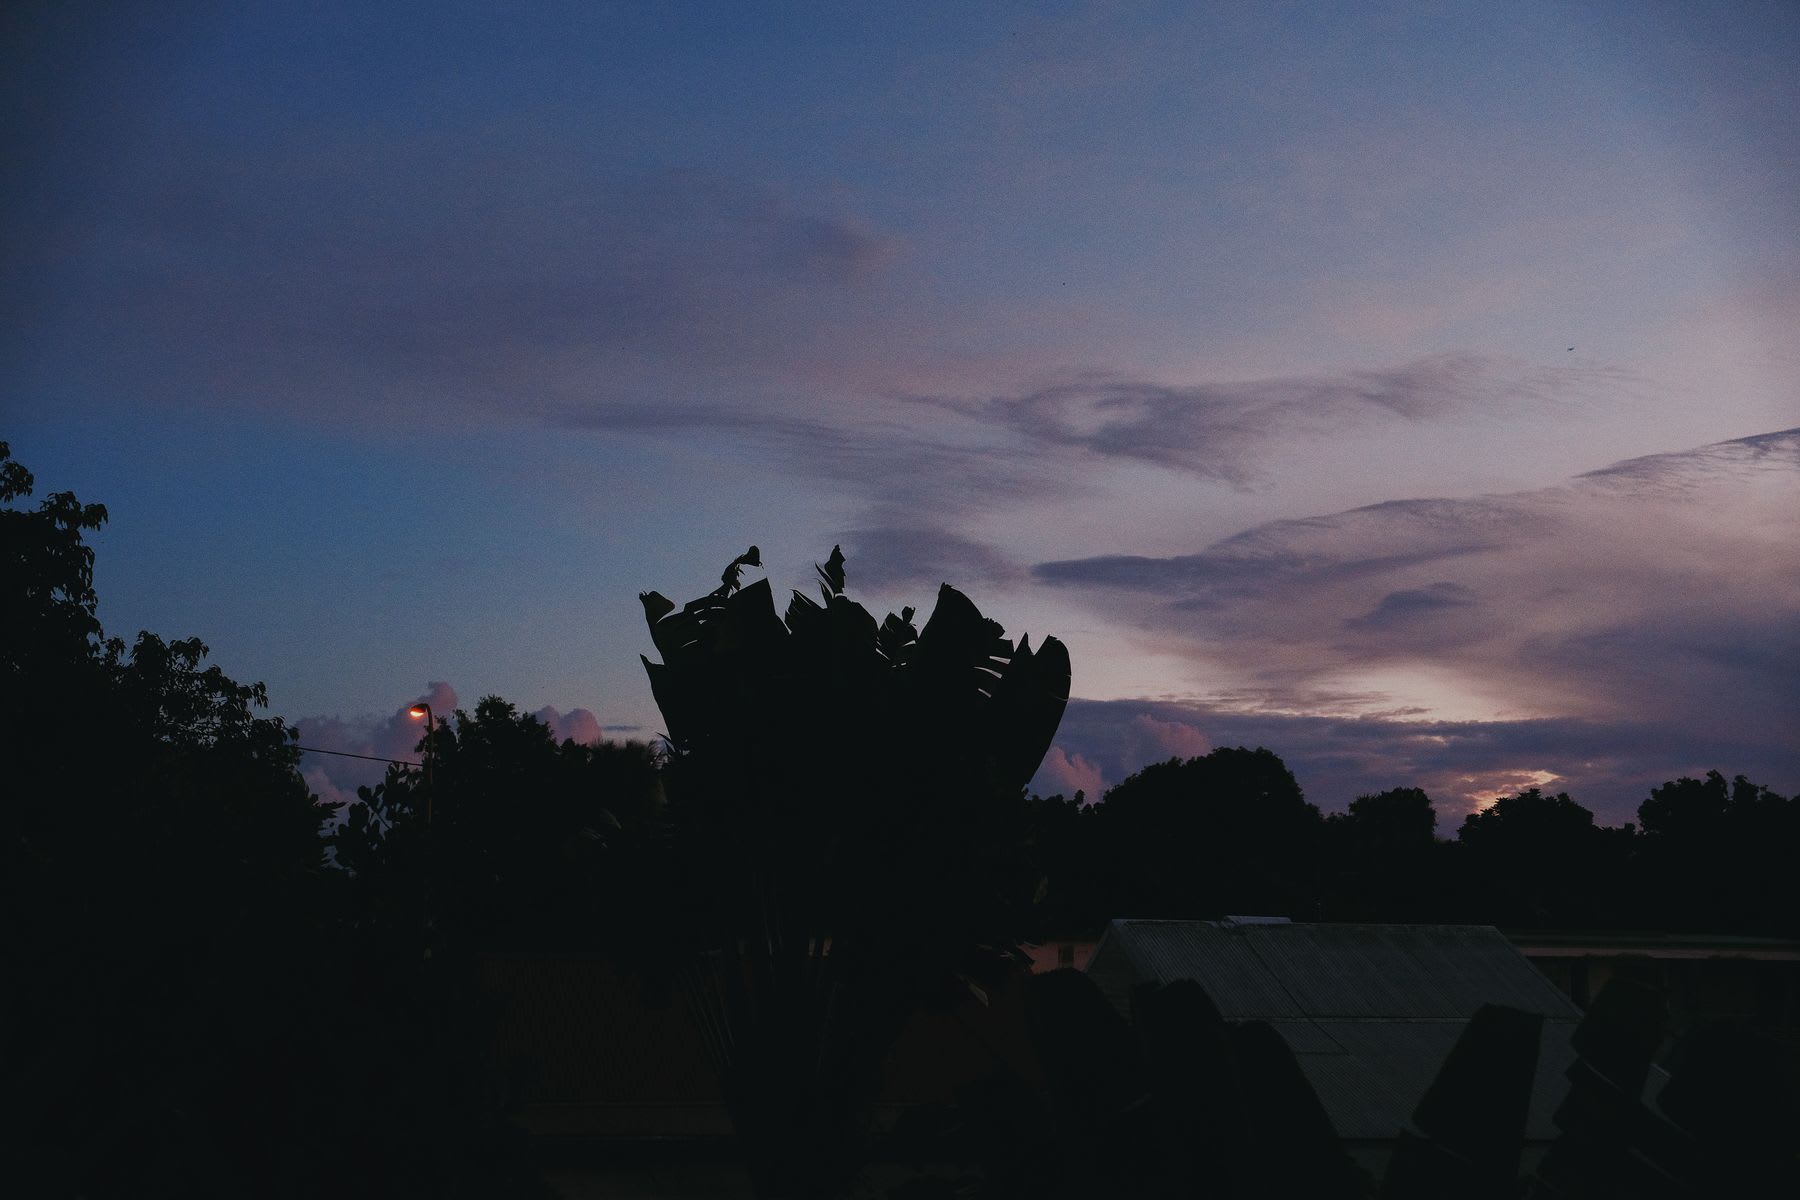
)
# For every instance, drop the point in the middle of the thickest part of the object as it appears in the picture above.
(408, 343)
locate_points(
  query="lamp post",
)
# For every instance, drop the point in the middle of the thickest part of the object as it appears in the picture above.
(422, 709)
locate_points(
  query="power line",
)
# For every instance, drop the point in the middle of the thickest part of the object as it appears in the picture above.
(405, 762)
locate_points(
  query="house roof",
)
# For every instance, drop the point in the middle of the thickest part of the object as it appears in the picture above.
(1370, 1011)
(1575, 943)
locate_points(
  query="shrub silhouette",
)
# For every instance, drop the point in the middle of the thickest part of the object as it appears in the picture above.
(846, 804)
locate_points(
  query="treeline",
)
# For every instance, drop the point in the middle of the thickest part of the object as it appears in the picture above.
(195, 1001)
(218, 985)
(544, 845)
(541, 845)
(1232, 833)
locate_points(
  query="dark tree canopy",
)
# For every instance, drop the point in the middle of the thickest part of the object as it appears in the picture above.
(218, 984)
(1380, 859)
(48, 624)
(1725, 852)
(1529, 823)
(1398, 820)
(1229, 831)
(531, 841)
(187, 1009)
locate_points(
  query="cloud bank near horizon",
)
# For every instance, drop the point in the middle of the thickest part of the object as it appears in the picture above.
(1640, 622)
(396, 737)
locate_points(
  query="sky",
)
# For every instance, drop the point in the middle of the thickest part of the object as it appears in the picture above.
(1411, 389)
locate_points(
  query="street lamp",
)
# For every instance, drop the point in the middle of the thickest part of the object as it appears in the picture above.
(422, 709)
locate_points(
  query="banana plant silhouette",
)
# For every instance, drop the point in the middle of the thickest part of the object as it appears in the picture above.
(846, 806)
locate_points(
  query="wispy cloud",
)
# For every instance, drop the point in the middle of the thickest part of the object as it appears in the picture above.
(893, 555)
(1408, 608)
(884, 464)
(1229, 431)
(923, 468)
(1650, 609)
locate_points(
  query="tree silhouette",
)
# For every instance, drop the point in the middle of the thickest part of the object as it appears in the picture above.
(1721, 854)
(1229, 831)
(1069, 846)
(1189, 839)
(1399, 820)
(1383, 858)
(1537, 861)
(48, 624)
(187, 1011)
(199, 1003)
(158, 841)
(531, 844)
(846, 799)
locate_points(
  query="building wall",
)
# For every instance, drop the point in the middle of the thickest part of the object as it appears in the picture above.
(1065, 952)
(1753, 984)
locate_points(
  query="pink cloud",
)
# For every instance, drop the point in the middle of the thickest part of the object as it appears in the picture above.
(1145, 739)
(399, 735)
(578, 724)
(325, 788)
(395, 736)
(1151, 740)
(1068, 774)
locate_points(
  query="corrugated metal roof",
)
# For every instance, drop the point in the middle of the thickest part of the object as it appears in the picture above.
(1370, 1011)
(1223, 962)
(1380, 1070)
(1276, 971)
(1310, 1037)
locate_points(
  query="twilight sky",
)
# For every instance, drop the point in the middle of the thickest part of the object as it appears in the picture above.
(1409, 389)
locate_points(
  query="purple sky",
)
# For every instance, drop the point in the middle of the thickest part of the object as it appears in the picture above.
(1399, 387)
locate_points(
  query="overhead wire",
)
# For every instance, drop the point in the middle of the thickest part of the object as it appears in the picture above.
(405, 762)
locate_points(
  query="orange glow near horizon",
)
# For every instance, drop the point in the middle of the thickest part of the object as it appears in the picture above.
(1514, 784)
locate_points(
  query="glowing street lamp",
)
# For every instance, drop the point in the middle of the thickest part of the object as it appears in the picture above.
(424, 710)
